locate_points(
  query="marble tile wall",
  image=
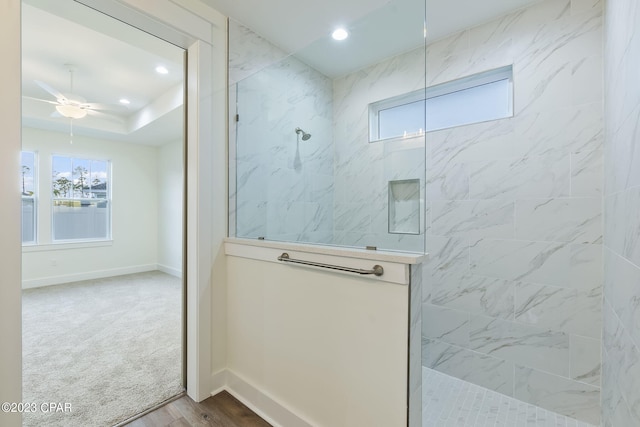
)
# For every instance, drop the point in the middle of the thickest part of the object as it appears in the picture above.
(621, 334)
(513, 288)
(281, 186)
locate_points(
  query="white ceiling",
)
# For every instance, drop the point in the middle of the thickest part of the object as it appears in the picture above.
(112, 61)
(379, 28)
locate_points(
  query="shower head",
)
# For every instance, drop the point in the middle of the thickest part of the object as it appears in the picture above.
(305, 136)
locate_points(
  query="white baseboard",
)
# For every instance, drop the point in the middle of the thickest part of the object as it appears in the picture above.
(219, 382)
(170, 270)
(90, 275)
(272, 411)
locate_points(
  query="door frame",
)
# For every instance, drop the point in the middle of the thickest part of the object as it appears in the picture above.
(202, 32)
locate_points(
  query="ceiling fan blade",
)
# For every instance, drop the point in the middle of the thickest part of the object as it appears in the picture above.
(57, 94)
(106, 107)
(41, 100)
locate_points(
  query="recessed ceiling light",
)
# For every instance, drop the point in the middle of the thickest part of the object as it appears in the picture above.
(162, 70)
(340, 34)
(125, 101)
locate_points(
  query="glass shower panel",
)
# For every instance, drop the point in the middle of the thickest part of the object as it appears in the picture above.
(514, 231)
(304, 170)
(284, 177)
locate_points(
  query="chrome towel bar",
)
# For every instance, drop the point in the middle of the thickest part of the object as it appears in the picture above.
(376, 270)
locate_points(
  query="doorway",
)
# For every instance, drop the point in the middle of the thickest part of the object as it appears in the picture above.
(103, 216)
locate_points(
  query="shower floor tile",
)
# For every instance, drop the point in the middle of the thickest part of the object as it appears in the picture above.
(451, 402)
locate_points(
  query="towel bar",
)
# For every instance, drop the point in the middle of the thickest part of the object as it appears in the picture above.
(377, 270)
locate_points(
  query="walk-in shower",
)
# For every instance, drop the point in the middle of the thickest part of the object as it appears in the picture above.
(500, 184)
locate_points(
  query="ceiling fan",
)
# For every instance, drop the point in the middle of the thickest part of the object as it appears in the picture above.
(71, 105)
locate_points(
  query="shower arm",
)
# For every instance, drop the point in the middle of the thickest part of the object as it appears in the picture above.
(305, 136)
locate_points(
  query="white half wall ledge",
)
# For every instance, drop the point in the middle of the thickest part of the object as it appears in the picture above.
(395, 264)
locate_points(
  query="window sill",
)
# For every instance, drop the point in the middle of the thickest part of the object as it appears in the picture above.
(411, 138)
(66, 245)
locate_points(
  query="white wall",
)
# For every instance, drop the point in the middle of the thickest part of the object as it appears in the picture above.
(10, 308)
(134, 212)
(330, 348)
(170, 207)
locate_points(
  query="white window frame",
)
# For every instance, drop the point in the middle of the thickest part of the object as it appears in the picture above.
(108, 200)
(475, 80)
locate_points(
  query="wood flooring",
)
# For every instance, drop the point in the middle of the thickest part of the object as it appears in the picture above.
(221, 410)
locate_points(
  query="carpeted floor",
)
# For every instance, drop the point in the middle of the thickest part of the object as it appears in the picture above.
(110, 348)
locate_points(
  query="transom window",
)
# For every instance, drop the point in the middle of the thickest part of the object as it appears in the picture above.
(473, 99)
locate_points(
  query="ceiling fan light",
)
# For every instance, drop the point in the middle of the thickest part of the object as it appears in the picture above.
(71, 111)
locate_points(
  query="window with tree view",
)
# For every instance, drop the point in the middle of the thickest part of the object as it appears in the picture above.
(28, 188)
(81, 199)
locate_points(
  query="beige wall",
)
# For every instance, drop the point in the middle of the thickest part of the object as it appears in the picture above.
(331, 348)
(10, 318)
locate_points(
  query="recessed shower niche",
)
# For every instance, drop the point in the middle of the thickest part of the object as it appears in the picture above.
(404, 206)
